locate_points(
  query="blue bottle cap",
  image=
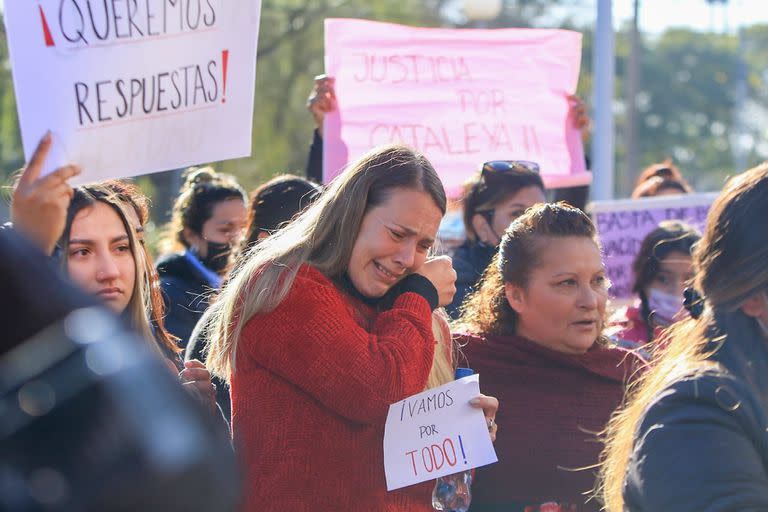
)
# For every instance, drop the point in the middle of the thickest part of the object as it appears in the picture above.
(463, 372)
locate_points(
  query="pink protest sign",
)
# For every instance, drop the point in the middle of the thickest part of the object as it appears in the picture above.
(623, 224)
(462, 97)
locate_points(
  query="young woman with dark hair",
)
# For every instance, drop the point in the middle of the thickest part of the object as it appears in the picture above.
(93, 232)
(207, 224)
(493, 198)
(662, 269)
(99, 252)
(138, 215)
(534, 332)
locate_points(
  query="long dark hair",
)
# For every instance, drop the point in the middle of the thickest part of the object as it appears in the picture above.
(731, 265)
(202, 190)
(670, 236)
(130, 194)
(139, 309)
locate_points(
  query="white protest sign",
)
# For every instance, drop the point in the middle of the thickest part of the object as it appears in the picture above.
(131, 87)
(436, 433)
(623, 224)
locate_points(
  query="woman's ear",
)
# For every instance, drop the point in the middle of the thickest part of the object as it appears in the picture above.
(515, 296)
(483, 229)
(195, 240)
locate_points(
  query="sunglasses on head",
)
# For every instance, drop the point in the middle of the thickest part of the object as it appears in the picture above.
(501, 167)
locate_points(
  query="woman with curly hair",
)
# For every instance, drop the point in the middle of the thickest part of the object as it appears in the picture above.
(533, 331)
(208, 220)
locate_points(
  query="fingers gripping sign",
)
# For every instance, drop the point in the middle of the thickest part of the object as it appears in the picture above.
(322, 100)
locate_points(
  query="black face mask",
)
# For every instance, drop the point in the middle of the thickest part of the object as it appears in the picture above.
(217, 256)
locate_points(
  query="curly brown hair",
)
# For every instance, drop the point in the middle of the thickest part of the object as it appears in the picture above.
(203, 188)
(487, 310)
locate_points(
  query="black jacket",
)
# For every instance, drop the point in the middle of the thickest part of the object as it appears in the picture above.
(314, 169)
(703, 443)
(196, 349)
(469, 261)
(185, 295)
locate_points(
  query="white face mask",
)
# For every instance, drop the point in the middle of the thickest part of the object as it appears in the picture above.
(665, 308)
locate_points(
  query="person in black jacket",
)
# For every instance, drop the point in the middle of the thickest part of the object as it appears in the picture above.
(273, 205)
(493, 198)
(207, 223)
(86, 438)
(694, 433)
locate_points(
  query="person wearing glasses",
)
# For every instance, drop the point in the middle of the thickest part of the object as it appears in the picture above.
(534, 332)
(493, 198)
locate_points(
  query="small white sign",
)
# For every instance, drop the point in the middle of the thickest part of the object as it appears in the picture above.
(436, 433)
(129, 88)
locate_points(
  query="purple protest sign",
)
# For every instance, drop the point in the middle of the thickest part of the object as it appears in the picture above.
(624, 223)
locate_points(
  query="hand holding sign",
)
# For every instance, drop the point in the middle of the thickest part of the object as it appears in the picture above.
(322, 100)
(134, 87)
(490, 406)
(39, 206)
(461, 97)
(437, 433)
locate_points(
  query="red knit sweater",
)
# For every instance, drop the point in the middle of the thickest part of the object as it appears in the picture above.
(551, 406)
(314, 381)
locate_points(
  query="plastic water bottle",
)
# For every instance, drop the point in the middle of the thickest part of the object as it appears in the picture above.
(452, 493)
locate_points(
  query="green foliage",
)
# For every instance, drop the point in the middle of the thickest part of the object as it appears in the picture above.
(290, 55)
(689, 84)
(688, 99)
(11, 154)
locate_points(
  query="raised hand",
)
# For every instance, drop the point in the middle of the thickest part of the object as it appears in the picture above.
(322, 99)
(39, 205)
(441, 274)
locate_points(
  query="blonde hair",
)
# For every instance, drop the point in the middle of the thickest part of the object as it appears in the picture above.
(446, 352)
(730, 265)
(323, 236)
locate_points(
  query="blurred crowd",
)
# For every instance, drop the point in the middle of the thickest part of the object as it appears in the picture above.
(280, 324)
